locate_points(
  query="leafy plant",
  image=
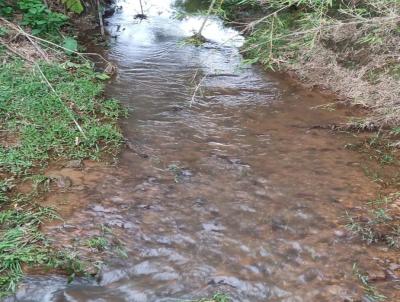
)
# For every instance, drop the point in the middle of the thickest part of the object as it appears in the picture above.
(74, 6)
(71, 45)
(6, 9)
(41, 19)
(97, 242)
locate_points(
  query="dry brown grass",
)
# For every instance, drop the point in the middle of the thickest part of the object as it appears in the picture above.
(349, 47)
(358, 63)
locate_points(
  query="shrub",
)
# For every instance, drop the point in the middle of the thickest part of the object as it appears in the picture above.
(41, 19)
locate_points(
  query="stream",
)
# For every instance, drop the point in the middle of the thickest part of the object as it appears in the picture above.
(234, 188)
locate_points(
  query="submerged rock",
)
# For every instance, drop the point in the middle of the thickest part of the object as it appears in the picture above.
(74, 164)
(62, 182)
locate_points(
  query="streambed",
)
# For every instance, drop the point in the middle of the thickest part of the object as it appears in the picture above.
(232, 189)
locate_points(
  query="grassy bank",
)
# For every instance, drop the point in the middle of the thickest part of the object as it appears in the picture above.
(51, 108)
(349, 47)
(37, 127)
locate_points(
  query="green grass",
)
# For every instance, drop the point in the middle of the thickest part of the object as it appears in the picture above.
(22, 244)
(48, 111)
(378, 224)
(43, 123)
(38, 123)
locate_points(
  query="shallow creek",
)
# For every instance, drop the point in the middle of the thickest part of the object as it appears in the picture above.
(232, 190)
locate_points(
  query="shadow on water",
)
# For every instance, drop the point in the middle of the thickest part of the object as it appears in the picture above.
(233, 190)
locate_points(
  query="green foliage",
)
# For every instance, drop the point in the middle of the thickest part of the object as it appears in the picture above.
(70, 45)
(41, 122)
(41, 19)
(74, 6)
(6, 9)
(275, 40)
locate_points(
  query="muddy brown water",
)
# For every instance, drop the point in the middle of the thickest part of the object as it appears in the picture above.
(234, 191)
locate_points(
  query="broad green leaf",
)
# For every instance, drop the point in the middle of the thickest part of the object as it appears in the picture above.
(74, 6)
(70, 45)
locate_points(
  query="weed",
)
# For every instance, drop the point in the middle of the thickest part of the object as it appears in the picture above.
(379, 224)
(98, 242)
(194, 40)
(373, 175)
(372, 38)
(381, 215)
(21, 243)
(371, 293)
(394, 71)
(37, 16)
(106, 241)
(363, 230)
(42, 122)
(377, 148)
(180, 173)
(75, 6)
(121, 251)
(217, 297)
(379, 201)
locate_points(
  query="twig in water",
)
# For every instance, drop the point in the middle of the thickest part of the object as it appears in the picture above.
(141, 7)
(197, 89)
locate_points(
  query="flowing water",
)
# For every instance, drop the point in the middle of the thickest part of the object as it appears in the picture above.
(233, 189)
